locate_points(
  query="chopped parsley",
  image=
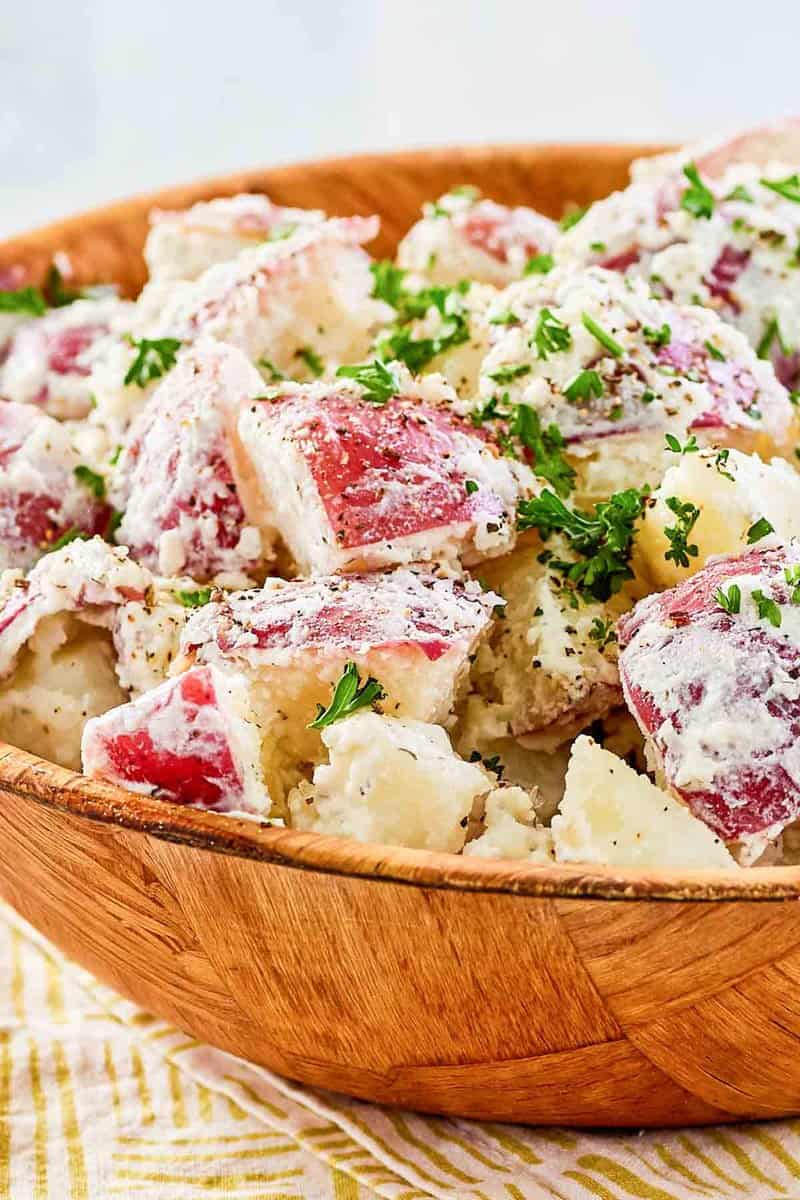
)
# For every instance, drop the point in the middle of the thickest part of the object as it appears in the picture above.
(470, 487)
(399, 343)
(504, 318)
(114, 459)
(674, 445)
(605, 339)
(550, 335)
(772, 331)
(27, 300)
(72, 535)
(571, 219)
(730, 601)
(792, 577)
(546, 446)
(387, 282)
(603, 539)
(268, 365)
(375, 378)
(57, 293)
(153, 359)
(697, 199)
(349, 696)
(490, 411)
(740, 192)
(91, 480)
(507, 374)
(114, 522)
(585, 385)
(657, 337)
(492, 763)
(681, 550)
(196, 598)
(312, 360)
(539, 264)
(602, 632)
(721, 463)
(279, 233)
(714, 352)
(759, 530)
(789, 187)
(767, 609)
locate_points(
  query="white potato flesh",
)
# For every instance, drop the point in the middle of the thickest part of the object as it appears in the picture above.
(612, 815)
(510, 829)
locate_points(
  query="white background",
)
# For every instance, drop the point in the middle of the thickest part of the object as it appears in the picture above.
(100, 98)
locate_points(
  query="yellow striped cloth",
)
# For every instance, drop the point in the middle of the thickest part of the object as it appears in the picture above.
(99, 1099)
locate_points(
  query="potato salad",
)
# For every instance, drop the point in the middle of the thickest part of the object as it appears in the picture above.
(491, 549)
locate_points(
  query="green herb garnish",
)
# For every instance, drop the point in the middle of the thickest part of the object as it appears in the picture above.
(550, 335)
(585, 385)
(697, 199)
(546, 446)
(387, 282)
(759, 530)
(91, 480)
(714, 352)
(767, 609)
(605, 339)
(375, 378)
(153, 359)
(312, 360)
(681, 550)
(72, 535)
(730, 601)
(657, 337)
(349, 696)
(196, 598)
(507, 374)
(571, 219)
(27, 300)
(789, 187)
(539, 264)
(674, 445)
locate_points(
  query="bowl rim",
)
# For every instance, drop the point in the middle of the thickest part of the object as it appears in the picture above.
(34, 779)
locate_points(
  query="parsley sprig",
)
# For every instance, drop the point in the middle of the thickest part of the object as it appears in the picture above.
(349, 696)
(154, 357)
(789, 187)
(375, 378)
(697, 198)
(602, 539)
(680, 548)
(546, 446)
(550, 335)
(730, 601)
(398, 341)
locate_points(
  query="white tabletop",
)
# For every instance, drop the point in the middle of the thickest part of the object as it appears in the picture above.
(101, 99)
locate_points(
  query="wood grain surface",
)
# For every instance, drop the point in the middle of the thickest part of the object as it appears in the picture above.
(552, 995)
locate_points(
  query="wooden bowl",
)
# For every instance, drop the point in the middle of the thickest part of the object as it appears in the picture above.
(552, 995)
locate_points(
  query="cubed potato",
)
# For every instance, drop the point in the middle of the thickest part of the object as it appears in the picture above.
(509, 828)
(354, 485)
(183, 243)
(412, 630)
(181, 481)
(709, 670)
(737, 497)
(463, 236)
(193, 740)
(613, 816)
(46, 490)
(392, 781)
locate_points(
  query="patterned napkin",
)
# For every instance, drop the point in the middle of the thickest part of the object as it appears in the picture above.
(99, 1099)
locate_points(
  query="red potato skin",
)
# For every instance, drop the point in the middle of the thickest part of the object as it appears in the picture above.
(744, 798)
(192, 765)
(494, 229)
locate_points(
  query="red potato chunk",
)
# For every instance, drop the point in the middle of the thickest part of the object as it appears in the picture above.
(182, 244)
(413, 630)
(86, 577)
(49, 360)
(354, 485)
(41, 497)
(464, 236)
(191, 741)
(178, 481)
(710, 671)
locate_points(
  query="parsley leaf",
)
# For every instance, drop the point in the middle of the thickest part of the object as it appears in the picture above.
(721, 463)
(571, 219)
(348, 697)
(602, 632)
(714, 351)
(674, 445)
(550, 335)
(657, 337)
(28, 300)
(759, 530)
(268, 365)
(375, 378)
(312, 360)
(398, 341)
(196, 598)
(730, 601)
(605, 339)
(90, 479)
(767, 609)
(585, 385)
(546, 446)
(771, 332)
(71, 535)
(697, 199)
(387, 282)
(539, 264)
(470, 487)
(58, 295)
(493, 763)
(153, 359)
(740, 192)
(513, 371)
(681, 550)
(789, 187)
(603, 539)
